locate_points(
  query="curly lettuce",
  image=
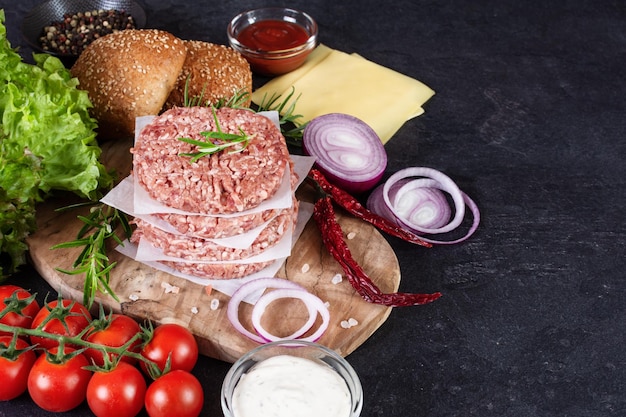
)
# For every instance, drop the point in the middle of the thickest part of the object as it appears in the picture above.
(47, 142)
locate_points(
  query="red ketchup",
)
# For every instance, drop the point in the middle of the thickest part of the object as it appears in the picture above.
(273, 36)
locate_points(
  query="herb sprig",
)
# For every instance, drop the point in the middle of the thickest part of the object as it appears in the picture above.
(232, 141)
(238, 101)
(100, 227)
(290, 126)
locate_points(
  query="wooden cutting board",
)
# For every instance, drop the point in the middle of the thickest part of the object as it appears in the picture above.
(191, 305)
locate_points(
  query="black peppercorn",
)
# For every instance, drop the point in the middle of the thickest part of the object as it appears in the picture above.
(71, 35)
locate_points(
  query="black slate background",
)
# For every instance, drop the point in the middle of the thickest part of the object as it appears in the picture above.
(529, 120)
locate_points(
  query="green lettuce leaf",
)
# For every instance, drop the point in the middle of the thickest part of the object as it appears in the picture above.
(47, 142)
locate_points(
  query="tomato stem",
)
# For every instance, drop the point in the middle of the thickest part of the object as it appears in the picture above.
(60, 312)
(13, 304)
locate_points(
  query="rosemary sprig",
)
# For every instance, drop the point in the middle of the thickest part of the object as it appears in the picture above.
(238, 142)
(192, 101)
(99, 228)
(290, 127)
(238, 100)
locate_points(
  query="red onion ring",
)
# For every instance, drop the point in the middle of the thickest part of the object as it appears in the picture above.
(444, 183)
(376, 204)
(277, 284)
(347, 150)
(313, 304)
(420, 205)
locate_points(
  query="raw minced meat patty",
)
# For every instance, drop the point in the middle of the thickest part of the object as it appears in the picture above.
(197, 249)
(220, 183)
(215, 227)
(211, 227)
(217, 271)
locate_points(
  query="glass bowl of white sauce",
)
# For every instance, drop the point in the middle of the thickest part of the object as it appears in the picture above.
(291, 378)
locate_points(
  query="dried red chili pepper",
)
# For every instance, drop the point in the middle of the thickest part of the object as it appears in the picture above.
(350, 204)
(332, 237)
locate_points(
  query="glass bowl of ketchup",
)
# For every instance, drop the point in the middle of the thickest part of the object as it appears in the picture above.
(274, 40)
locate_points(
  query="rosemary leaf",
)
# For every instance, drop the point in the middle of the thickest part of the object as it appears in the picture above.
(225, 141)
(99, 227)
(72, 244)
(238, 101)
(290, 125)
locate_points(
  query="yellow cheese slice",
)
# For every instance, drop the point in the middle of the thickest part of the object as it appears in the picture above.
(279, 85)
(332, 81)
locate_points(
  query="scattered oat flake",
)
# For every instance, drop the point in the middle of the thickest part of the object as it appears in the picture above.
(337, 279)
(194, 310)
(305, 268)
(169, 288)
(345, 324)
(133, 297)
(351, 235)
(215, 303)
(327, 304)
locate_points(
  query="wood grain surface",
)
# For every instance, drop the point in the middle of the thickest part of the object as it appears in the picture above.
(191, 305)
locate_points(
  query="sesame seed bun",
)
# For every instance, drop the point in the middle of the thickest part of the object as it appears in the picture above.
(129, 74)
(212, 72)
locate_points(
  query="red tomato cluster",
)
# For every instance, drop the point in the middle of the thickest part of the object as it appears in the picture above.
(60, 381)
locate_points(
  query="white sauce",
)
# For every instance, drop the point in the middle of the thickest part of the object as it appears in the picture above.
(289, 386)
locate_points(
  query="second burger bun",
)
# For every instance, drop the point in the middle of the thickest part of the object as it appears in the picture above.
(211, 73)
(129, 74)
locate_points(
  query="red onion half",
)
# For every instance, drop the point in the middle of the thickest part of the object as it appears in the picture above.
(281, 288)
(347, 150)
(415, 199)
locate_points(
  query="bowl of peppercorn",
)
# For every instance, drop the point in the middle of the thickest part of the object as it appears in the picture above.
(64, 28)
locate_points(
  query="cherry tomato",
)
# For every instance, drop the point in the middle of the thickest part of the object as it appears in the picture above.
(27, 313)
(14, 372)
(171, 339)
(72, 325)
(59, 387)
(177, 393)
(120, 329)
(117, 393)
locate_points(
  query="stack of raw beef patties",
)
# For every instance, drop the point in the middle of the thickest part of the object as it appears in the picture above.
(221, 212)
